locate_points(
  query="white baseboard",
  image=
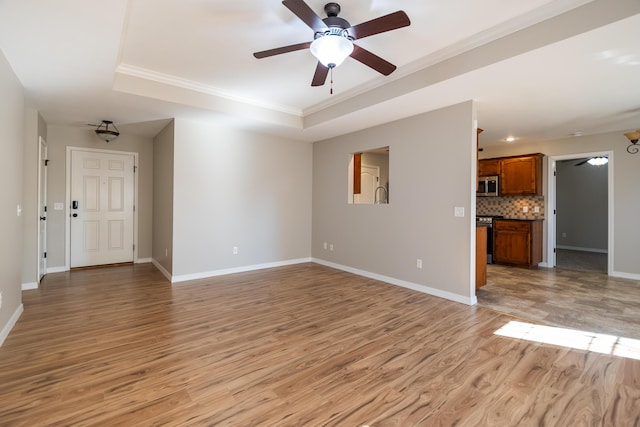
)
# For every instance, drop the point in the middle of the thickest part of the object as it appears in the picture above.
(243, 269)
(414, 286)
(164, 272)
(578, 248)
(143, 260)
(29, 286)
(10, 324)
(61, 269)
(623, 275)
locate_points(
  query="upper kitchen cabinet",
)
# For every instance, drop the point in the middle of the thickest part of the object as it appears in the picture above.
(521, 175)
(489, 167)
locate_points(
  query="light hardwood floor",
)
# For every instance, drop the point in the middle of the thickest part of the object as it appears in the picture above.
(589, 301)
(303, 345)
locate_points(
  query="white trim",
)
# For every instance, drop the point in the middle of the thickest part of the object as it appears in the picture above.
(40, 251)
(60, 269)
(551, 203)
(67, 251)
(162, 270)
(10, 324)
(243, 269)
(624, 275)
(143, 261)
(413, 286)
(577, 248)
(175, 81)
(29, 286)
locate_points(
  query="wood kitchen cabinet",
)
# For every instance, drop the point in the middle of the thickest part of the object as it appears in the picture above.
(521, 175)
(489, 167)
(517, 242)
(481, 256)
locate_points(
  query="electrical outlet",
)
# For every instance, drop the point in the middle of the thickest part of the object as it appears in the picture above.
(331, 246)
(419, 263)
(324, 245)
(166, 251)
(536, 209)
(0, 300)
(525, 209)
(235, 250)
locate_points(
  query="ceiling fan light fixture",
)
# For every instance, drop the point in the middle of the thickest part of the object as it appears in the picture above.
(107, 131)
(332, 48)
(598, 161)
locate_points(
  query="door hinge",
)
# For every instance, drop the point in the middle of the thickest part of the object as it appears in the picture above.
(45, 254)
(554, 173)
(45, 208)
(135, 168)
(46, 162)
(134, 247)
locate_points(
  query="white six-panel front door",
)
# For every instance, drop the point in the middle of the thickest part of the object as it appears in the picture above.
(102, 203)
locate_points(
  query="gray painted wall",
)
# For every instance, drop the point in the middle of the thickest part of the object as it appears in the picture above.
(163, 198)
(432, 170)
(11, 141)
(581, 205)
(237, 188)
(61, 137)
(625, 181)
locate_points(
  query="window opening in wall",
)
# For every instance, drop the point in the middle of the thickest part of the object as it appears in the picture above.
(368, 177)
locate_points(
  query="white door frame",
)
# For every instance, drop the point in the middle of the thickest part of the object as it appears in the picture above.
(67, 252)
(42, 207)
(550, 206)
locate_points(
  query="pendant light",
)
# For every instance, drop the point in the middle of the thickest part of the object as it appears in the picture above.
(107, 131)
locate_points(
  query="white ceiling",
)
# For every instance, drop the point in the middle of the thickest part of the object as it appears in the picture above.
(538, 69)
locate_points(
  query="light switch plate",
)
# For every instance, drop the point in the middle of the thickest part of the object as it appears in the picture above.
(458, 211)
(58, 206)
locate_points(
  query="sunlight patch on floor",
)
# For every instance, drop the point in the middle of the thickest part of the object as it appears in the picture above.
(581, 340)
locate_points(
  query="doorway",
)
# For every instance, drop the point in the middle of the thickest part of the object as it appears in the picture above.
(101, 198)
(579, 212)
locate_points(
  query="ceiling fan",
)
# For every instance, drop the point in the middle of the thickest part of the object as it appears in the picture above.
(334, 34)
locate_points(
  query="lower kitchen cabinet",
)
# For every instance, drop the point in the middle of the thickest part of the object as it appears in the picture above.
(517, 242)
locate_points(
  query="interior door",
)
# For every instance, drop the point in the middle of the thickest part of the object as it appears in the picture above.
(42, 209)
(102, 203)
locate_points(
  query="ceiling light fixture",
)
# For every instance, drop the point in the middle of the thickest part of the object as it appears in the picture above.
(107, 133)
(332, 47)
(510, 138)
(633, 137)
(598, 161)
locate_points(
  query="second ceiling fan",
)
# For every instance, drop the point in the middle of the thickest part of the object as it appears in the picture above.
(334, 36)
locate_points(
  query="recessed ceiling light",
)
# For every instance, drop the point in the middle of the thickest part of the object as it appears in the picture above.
(510, 138)
(577, 133)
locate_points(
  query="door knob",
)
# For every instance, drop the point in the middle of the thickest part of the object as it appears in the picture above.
(75, 215)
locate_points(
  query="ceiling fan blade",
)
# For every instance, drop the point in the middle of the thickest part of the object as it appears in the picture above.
(320, 76)
(305, 13)
(582, 162)
(372, 60)
(283, 49)
(388, 22)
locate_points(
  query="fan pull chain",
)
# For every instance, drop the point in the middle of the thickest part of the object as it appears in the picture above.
(331, 87)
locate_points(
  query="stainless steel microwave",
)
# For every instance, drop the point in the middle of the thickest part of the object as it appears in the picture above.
(488, 186)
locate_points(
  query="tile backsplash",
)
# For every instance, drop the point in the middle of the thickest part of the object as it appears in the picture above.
(511, 207)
